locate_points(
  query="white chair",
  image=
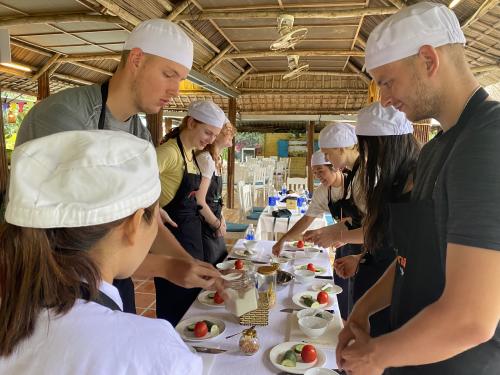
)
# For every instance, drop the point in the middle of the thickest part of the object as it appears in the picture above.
(259, 182)
(296, 184)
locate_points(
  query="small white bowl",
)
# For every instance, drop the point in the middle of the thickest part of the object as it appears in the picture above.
(328, 316)
(227, 265)
(311, 252)
(313, 326)
(320, 371)
(304, 276)
(251, 244)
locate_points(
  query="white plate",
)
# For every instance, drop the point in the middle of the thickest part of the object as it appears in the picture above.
(186, 335)
(336, 289)
(319, 270)
(293, 245)
(205, 300)
(229, 265)
(296, 299)
(276, 355)
(241, 253)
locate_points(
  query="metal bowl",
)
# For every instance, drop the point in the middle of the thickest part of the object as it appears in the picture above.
(283, 278)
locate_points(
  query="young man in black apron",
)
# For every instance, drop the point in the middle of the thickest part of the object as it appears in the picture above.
(141, 84)
(443, 286)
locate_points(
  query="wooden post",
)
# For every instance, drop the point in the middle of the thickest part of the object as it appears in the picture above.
(167, 125)
(155, 126)
(4, 171)
(310, 151)
(43, 86)
(230, 156)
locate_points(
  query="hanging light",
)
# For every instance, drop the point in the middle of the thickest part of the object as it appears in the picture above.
(11, 118)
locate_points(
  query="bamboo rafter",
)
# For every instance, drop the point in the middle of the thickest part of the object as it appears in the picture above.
(30, 20)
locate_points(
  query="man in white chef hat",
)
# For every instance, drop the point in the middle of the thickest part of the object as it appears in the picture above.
(443, 285)
(156, 57)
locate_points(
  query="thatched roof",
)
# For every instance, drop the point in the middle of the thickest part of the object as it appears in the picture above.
(78, 42)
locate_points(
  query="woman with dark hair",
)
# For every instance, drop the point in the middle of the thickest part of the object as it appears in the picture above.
(388, 154)
(180, 179)
(69, 232)
(209, 195)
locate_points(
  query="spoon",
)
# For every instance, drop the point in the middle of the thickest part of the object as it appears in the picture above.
(228, 337)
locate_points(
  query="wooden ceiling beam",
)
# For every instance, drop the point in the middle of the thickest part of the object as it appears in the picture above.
(241, 78)
(485, 68)
(273, 27)
(90, 67)
(308, 73)
(325, 53)
(90, 57)
(57, 18)
(331, 4)
(300, 91)
(178, 10)
(217, 59)
(485, 7)
(121, 13)
(361, 75)
(334, 14)
(46, 67)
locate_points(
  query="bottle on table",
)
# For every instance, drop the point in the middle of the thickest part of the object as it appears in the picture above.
(250, 233)
(284, 190)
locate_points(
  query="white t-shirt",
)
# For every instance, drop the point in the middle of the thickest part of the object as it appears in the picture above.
(319, 202)
(92, 339)
(207, 165)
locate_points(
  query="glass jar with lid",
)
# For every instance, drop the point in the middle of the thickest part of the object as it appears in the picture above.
(241, 294)
(249, 343)
(266, 284)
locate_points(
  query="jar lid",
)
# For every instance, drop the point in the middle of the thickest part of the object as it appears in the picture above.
(266, 270)
(250, 332)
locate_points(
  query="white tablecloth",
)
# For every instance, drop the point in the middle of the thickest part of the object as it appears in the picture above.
(234, 362)
(264, 229)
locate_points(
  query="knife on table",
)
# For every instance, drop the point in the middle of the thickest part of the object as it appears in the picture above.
(253, 261)
(324, 277)
(203, 349)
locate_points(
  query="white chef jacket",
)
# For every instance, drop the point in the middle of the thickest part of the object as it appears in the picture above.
(92, 339)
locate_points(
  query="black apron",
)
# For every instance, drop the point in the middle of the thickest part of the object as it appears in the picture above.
(342, 208)
(125, 286)
(214, 247)
(421, 263)
(101, 298)
(172, 301)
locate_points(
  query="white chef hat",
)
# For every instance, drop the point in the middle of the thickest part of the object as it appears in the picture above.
(402, 34)
(336, 135)
(375, 120)
(318, 158)
(162, 38)
(207, 112)
(81, 178)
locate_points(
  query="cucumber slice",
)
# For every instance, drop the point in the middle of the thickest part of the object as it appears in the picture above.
(209, 324)
(211, 295)
(315, 305)
(298, 348)
(214, 330)
(190, 327)
(289, 359)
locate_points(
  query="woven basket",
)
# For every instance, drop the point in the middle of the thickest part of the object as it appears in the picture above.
(258, 317)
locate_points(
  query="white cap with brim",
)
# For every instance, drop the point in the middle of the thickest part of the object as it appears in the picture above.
(164, 39)
(336, 135)
(207, 112)
(81, 178)
(318, 158)
(402, 34)
(375, 120)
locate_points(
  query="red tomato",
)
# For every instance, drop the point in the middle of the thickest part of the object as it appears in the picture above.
(308, 353)
(322, 297)
(300, 244)
(239, 264)
(218, 299)
(200, 329)
(311, 267)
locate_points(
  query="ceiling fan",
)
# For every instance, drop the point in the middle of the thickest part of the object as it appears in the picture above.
(295, 69)
(289, 36)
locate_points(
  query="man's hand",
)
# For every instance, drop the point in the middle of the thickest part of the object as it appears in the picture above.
(346, 266)
(346, 335)
(359, 358)
(165, 219)
(191, 273)
(278, 247)
(326, 236)
(221, 232)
